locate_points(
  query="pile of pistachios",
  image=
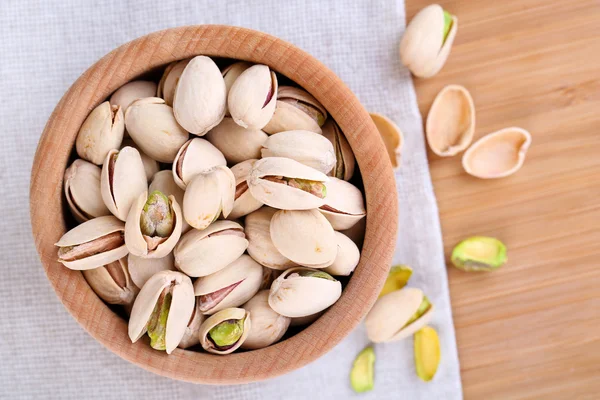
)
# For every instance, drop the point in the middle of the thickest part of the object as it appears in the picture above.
(224, 238)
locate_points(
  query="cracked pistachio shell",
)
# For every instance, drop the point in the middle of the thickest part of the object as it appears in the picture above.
(392, 137)
(260, 245)
(200, 96)
(227, 314)
(209, 195)
(267, 325)
(294, 295)
(179, 313)
(231, 286)
(142, 269)
(170, 79)
(195, 156)
(252, 97)
(397, 278)
(281, 195)
(305, 237)
(94, 243)
(296, 109)
(101, 132)
(479, 253)
(425, 45)
(362, 375)
(498, 154)
(122, 180)
(82, 191)
(345, 161)
(309, 319)
(235, 142)
(244, 202)
(201, 253)
(387, 320)
(132, 91)
(344, 205)
(191, 337)
(306, 147)
(427, 353)
(230, 74)
(112, 282)
(347, 257)
(163, 181)
(152, 126)
(151, 166)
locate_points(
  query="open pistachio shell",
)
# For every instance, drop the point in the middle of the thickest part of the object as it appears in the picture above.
(299, 292)
(451, 121)
(306, 147)
(230, 74)
(151, 166)
(101, 132)
(427, 353)
(252, 97)
(163, 181)
(296, 109)
(112, 283)
(345, 161)
(82, 191)
(170, 79)
(267, 325)
(344, 205)
(195, 156)
(201, 253)
(260, 245)
(244, 203)
(235, 142)
(392, 137)
(142, 269)
(191, 337)
(94, 243)
(362, 375)
(498, 154)
(232, 325)
(347, 257)
(479, 253)
(397, 278)
(132, 91)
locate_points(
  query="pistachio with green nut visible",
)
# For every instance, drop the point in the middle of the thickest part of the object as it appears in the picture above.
(362, 375)
(225, 331)
(296, 109)
(479, 253)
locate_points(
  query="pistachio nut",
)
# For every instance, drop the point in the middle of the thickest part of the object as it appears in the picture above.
(244, 203)
(162, 309)
(287, 184)
(309, 319)
(200, 96)
(231, 286)
(305, 237)
(225, 331)
(269, 275)
(260, 245)
(398, 315)
(427, 41)
(151, 166)
(132, 91)
(170, 79)
(231, 73)
(195, 156)
(296, 109)
(427, 353)
(344, 205)
(163, 181)
(392, 137)
(306, 147)
(235, 142)
(112, 283)
(347, 256)
(345, 161)
(191, 337)
(141, 269)
(267, 326)
(101, 132)
(252, 97)
(479, 253)
(201, 253)
(397, 278)
(362, 375)
(152, 126)
(122, 180)
(299, 292)
(207, 196)
(82, 191)
(94, 243)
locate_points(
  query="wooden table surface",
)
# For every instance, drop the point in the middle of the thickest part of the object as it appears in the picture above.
(532, 328)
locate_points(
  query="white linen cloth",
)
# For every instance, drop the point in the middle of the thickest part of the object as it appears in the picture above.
(47, 44)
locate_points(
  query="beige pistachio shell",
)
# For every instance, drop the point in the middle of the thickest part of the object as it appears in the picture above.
(122, 180)
(387, 319)
(214, 320)
(344, 205)
(230, 74)
(235, 142)
(451, 121)
(498, 154)
(244, 202)
(200, 96)
(309, 319)
(296, 109)
(345, 161)
(260, 245)
(347, 257)
(191, 337)
(132, 91)
(101, 132)
(305, 237)
(295, 296)
(82, 191)
(306, 147)
(163, 181)
(182, 307)
(201, 253)
(195, 156)
(281, 195)
(207, 196)
(93, 236)
(392, 137)
(423, 48)
(267, 325)
(142, 269)
(151, 166)
(252, 97)
(112, 283)
(170, 79)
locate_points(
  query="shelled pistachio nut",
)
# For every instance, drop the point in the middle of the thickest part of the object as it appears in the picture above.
(142, 269)
(112, 283)
(170, 79)
(427, 353)
(260, 245)
(101, 132)
(267, 325)
(151, 166)
(309, 319)
(191, 337)
(344, 205)
(269, 275)
(397, 278)
(195, 156)
(362, 375)
(392, 137)
(296, 109)
(201, 253)
(235, 142)
(427, 41)
(230, 74)
(163, 309)
(225, 331)
(345, 161)
(398, 315)
(306, 147)
(299, 292)
(347, 258)
(132, 91)
(94, 243)
(252, 97)
(479, 253)
(82, 191)
(244, 203)
(163, 181)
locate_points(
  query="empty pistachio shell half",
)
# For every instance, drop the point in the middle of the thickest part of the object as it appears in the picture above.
(191, 337)
(101, 132)
(296, 109)
(163, 181)
(132, 91)
(82, 191)
(201, 253)
(347, 257)
(94, 243)
(252, 97)
(267, 325)
(151, 166)
(231, 73)
(200, 96)
(287, 184)
(142, 269)
(225, 331)
(451, 121)
(170, 79)
(427, 41)
(235, 142)
(345, 161)
(306, 147)
(427, 353)
(392, 137)
(397, 278)
(195, 156)
(163, 309)
(479, 253)
(112, 283)
(244, 203)
(231, 286)
(344, 205)
(299, 292)
(362, 375)
(260, 245)
(498, 154)
(398, 315)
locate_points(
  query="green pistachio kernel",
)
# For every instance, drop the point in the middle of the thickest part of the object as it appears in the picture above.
(423, 308)
(157, 216)
(479, 253)
(397, 278)
(447, 24)
(316, 274)
(227, 333)
(157, 325)
(362, 375)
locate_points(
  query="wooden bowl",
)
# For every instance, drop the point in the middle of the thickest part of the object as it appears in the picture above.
(135, 58)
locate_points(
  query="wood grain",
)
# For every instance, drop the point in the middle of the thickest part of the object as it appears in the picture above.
(532, 329)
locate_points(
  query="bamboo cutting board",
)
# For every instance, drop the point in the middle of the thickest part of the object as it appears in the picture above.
(531, 329)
